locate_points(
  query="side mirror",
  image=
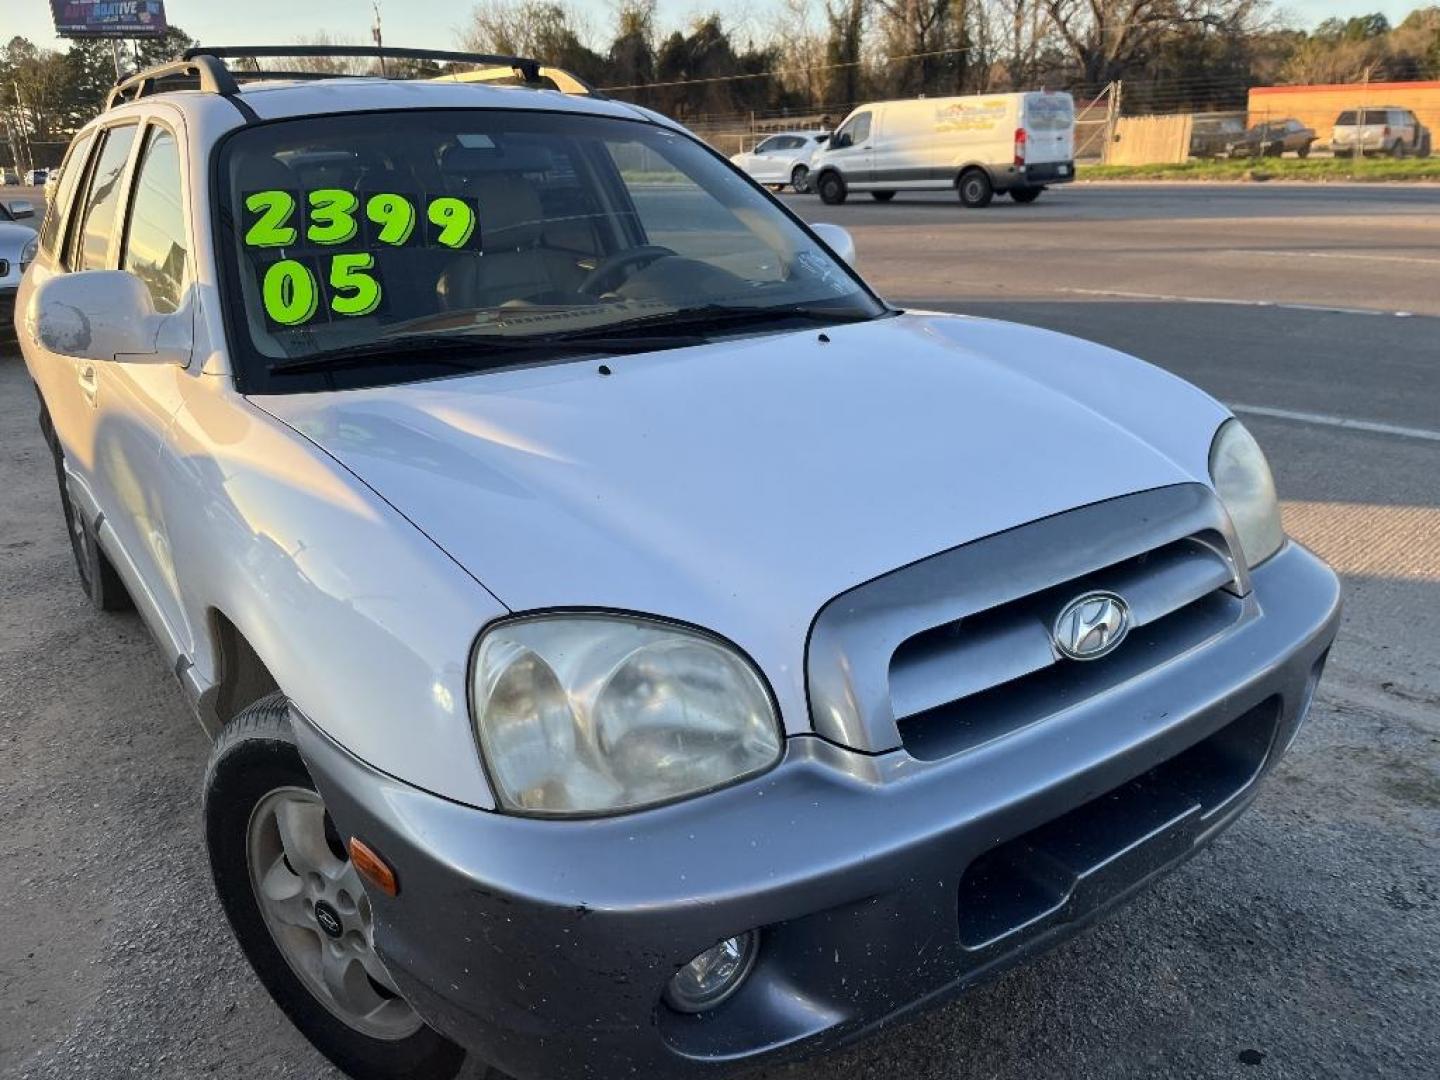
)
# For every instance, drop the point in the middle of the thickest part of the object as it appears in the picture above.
(21, 208)
(106, 315)
(839, 241)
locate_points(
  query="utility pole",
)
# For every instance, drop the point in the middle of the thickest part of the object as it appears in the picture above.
(379, 38)
(17, 125)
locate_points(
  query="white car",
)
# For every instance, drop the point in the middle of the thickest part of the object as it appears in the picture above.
(783, 159)
(17, 249)
(36, 177)
(632, 647)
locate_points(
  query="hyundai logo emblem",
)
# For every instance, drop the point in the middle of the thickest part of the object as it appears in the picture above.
(1091, 625)
(329, 919)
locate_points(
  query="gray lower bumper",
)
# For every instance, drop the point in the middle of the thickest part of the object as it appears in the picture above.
(880, 884)
(1005, 177)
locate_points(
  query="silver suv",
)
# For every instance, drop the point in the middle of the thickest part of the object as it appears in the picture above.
(632, 648)
(1379, 130)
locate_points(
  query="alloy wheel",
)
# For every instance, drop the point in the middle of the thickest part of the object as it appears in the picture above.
(315, 908)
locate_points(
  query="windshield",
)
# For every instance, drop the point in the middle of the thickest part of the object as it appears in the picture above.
(502, 230)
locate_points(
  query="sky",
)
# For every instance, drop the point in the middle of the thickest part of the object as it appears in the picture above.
(433, 23)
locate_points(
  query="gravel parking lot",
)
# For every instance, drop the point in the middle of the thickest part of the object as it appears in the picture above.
(1304, 943)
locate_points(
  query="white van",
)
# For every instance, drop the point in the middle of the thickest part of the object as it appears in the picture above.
(1017, 143)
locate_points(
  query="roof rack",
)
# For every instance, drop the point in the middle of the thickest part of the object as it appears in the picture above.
(212, 76)
(203, 68)
(566, 82)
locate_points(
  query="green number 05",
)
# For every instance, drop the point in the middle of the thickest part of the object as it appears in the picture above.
(332, 216)
(289, 292)
(455, 218)
(350, 275)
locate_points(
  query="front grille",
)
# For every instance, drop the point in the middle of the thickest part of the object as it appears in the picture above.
(956, 650)
(973, 680)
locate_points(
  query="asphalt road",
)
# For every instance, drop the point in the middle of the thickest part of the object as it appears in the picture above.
(1305, 943)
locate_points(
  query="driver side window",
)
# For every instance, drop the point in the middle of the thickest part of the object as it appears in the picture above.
(855, 131)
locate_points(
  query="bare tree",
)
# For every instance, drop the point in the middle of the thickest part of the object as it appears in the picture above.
(927, 39)
(801, 44)
(1106, 37)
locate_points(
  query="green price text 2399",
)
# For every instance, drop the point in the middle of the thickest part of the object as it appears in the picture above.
(331, 217)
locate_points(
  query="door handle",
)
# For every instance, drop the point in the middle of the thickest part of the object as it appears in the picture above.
(89, 383)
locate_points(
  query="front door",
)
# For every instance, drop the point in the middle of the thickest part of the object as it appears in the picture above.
(852, 149)
(140, 398)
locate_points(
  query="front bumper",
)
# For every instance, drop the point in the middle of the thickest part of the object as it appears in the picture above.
(880, 883)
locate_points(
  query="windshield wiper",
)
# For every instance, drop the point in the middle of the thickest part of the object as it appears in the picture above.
(714, 317)
(474, 352)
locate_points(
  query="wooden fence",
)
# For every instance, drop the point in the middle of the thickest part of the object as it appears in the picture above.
(1150, 140)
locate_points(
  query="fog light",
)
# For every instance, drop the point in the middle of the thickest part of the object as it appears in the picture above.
(714, 975)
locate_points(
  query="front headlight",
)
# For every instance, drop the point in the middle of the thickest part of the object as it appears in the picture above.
(1242, 479)
(27, 253)
(593, 714)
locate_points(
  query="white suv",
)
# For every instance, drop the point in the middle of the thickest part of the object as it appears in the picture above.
(1383, 130)
(632, 648)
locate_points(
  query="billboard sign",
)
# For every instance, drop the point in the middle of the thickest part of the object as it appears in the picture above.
(108, 18)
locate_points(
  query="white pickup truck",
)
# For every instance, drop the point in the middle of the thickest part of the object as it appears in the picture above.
(632, 647)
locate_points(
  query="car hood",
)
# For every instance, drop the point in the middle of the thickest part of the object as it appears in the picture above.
(13, 237)
(740, 485)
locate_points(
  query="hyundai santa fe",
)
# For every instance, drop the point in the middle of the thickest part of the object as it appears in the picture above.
(630, 645)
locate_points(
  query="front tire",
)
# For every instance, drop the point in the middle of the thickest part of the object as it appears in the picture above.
(299, 910)
(1398, 150)
(975, 189)
(882, 196)
(1303, 151)
(832, 189)
(1025, 194)
(800, 180)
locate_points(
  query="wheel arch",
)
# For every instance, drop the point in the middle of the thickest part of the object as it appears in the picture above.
(241, 676)
(971, 166)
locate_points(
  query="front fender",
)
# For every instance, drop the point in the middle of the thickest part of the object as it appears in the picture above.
(363, 622)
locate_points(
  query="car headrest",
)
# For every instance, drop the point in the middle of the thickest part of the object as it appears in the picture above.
(511, 216)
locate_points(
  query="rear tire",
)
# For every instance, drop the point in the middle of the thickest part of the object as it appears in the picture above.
(98, 578)
(256, 770)
(1424, 150)
(975, 189)
(1304, 151)
(882, 196)
(832, 189)
(1025, 194)
(1398, 150)
(800, 180)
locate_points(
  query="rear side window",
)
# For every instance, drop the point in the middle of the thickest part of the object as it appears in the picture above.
(70, 173)
(1376, 116)
(1346, 119)
(101, 202)
(155, 239)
